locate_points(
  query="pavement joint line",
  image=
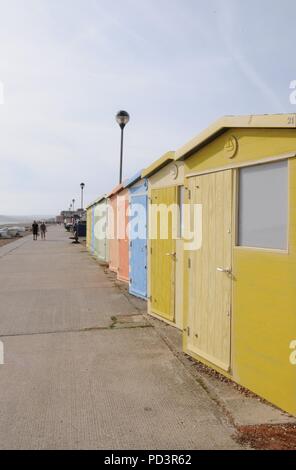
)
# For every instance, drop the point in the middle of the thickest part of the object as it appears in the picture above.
(82, 330)
(57, 288)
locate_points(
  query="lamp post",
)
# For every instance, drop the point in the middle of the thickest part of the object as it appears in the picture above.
(73, 204)
(122, 119)
(82, 186)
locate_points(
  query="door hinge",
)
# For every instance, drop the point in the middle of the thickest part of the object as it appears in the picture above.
(189, 263)
(189, 194)
(188, 331)
(150, 251)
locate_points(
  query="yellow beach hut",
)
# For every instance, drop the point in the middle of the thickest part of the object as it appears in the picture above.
(239, 284)
(165, 250)
(90, 227)
(101, 243)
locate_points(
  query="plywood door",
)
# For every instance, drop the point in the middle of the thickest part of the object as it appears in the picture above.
(138, 248)
(112, 230)
(162, 280)
(93, 230)
(209, 318)
(105, 253)
(123, 264)
(101, 218)
(88, 229)
(123, 242)
(96, 239)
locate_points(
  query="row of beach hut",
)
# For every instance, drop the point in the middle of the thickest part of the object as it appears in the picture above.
(225, 272)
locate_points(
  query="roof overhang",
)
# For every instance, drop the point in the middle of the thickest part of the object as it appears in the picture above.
(271, 121)
(158, 164)
(116, 190)
(134, 179)
(97, 201)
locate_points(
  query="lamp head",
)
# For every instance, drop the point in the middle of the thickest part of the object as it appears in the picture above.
(122, 119)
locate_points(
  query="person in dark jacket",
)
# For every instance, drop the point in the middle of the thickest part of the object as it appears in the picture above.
(35, 230)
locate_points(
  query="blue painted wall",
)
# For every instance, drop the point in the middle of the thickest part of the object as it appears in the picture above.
(138, 246)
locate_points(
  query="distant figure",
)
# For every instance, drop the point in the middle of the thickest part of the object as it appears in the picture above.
(35, 230)
(43, 231)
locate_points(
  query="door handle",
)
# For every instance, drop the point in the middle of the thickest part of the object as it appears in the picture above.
(225, 270)
(171, 254)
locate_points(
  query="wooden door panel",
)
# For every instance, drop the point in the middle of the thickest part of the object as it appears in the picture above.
(210, 289)
(162, 264)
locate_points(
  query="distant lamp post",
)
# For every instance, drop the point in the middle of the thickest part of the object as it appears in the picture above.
(73, 204)
(122, 119)
(82, 186)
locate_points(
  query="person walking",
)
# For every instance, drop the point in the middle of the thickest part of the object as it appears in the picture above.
(35, 230)
(43, 231)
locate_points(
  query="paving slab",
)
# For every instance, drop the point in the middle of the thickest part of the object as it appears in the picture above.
(49, 287)
(83, 368)
(118, 389)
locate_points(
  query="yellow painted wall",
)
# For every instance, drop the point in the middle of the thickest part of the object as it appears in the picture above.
(254, 144)
(164, 177)
(161, 179)
(264, 289)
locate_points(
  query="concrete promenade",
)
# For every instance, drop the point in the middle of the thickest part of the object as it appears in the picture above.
(83, 369)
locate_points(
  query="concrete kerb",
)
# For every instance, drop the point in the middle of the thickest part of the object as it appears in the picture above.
(240, 406)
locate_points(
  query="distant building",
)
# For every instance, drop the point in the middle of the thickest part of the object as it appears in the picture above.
(68, 216)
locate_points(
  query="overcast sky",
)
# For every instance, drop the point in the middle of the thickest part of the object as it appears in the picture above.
(176, 65)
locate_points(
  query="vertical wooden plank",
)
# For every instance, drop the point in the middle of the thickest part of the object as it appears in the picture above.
(138, 246)
(113, 242)
(210, 289)
(123, 241)
(162, 264)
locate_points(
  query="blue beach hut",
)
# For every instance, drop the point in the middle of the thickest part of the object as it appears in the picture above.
(137, 187)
